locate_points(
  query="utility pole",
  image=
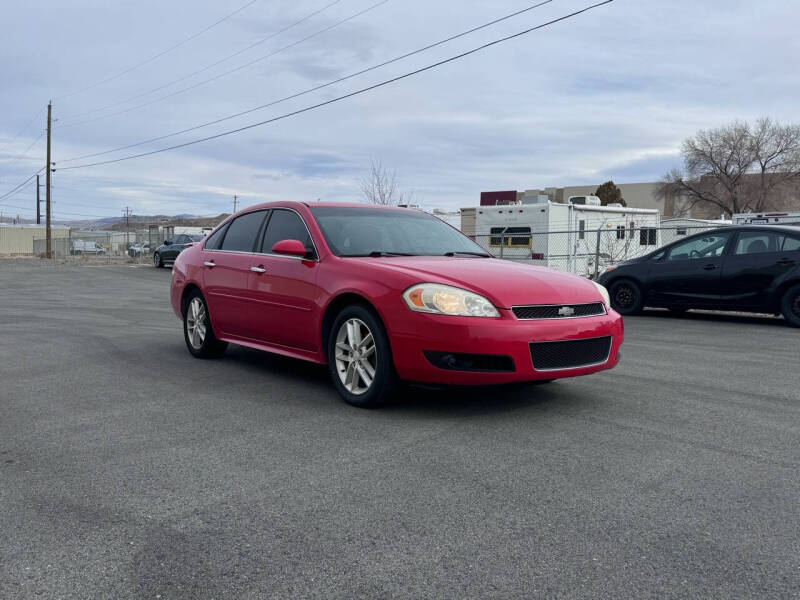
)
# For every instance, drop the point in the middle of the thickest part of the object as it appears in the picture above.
(235, 198)
(127, 227)
(38, 202)
(49, 253)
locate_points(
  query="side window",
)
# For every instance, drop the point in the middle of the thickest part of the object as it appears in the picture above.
(647, 236)
(581, 230)
(215, 238)
(181, 239)
(285, 225)
(620, 232)
(791, 244)
(708, 246)
(242, 232)
(757, 242)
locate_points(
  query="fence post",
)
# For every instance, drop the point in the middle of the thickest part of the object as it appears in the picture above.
(502, 243)
(597, 255)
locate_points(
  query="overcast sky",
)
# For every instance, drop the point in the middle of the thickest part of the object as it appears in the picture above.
(609, 94)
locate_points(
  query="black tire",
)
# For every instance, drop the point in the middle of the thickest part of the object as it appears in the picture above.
(157, 262)
(210, 346)
(384, 382)
(626, 297)
(790, 306)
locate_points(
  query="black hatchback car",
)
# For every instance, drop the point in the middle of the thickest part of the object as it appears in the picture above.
(748, 268)
(169, 250)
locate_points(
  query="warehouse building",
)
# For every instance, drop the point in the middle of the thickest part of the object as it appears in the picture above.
(18, 239)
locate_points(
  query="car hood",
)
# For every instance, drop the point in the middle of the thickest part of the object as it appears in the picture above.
(503, 282)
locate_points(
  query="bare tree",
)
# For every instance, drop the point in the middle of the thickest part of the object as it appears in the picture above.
(381, 187)
(738, 168)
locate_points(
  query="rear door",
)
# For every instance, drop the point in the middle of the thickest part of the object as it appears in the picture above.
(283, 287)
(227, 260)
(689, 273)
(757, 260)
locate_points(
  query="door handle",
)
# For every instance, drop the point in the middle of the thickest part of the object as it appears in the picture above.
(209, 264)
(786, 261)
(710, 267)
(258, 270)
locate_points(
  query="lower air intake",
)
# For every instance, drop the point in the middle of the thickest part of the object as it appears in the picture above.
(570, 354)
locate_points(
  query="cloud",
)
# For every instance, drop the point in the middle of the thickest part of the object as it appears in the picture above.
(609, 94)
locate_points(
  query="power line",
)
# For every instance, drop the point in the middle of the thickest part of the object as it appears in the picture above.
(159, 55)
(230, 71)
(315, 88)
(206, 68)
(15, 189)
(21, 131)
(346, 96)
(24, 153)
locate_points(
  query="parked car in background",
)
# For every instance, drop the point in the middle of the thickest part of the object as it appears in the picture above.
(745, 268)
(79, 247)
(137, 249)
(169, 250)
(386, 293)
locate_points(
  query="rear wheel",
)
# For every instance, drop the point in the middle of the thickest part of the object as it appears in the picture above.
(197, 330)
(157, 262)
(790, 306)
(360, 358)
(626, 297)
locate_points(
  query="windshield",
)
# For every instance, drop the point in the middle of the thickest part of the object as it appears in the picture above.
(196, 237)
(369, 231)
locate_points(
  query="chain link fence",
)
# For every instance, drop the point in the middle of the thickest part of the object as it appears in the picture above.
(100, 247)
(585, 252)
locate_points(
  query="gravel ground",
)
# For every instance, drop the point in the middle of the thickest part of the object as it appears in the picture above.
(129, 469)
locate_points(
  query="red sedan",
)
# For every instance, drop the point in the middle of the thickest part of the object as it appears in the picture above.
(380, 294)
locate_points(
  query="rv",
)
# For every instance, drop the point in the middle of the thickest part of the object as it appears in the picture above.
(579, 237)
(772, 218)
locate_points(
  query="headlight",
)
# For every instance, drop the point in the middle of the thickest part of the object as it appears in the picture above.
(603, 292)
(447, 300)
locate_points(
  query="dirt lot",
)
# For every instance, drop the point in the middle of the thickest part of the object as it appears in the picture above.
(129, 469)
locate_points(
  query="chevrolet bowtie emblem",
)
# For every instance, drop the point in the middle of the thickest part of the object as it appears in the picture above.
(566, 311)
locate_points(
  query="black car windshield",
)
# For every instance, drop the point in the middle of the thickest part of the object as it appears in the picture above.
(371, 231)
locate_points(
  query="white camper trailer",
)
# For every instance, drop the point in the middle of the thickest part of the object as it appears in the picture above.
(564, 236)
(774, 218)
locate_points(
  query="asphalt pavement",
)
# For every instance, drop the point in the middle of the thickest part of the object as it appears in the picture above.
(128, 469)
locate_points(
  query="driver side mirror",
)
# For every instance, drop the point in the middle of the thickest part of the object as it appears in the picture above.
(168, 242)
(290, 248)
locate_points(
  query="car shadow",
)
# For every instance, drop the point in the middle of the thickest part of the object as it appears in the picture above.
(717, 316)
(411, 398)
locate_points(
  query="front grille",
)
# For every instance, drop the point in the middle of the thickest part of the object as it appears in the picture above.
(558, 311)
(570, 354)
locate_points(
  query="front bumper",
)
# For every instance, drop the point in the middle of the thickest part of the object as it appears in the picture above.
(414, 333)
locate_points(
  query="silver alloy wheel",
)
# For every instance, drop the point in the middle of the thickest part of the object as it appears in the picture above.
(196, 323)
(356, 356)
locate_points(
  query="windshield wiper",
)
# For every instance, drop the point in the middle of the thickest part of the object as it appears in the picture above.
(464, 253)
(379, 253)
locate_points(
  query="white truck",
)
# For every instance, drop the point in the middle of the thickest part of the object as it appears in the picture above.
(78, 247)
(581, 238)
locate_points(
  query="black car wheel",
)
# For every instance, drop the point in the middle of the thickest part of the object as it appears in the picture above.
(157, 262)
(626, 297)
(360, 358)
(197, 330)
(791, 306)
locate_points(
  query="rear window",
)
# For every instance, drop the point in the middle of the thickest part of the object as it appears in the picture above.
(242, 232)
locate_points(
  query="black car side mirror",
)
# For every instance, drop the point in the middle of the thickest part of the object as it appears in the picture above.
(167, 243)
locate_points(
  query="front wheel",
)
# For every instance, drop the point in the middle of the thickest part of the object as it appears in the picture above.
(360, 358)
(197, 330)
(157, 262)
(790, 306)
(626, 297)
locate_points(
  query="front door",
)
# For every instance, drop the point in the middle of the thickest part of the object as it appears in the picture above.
(284, 288)
(689, 272)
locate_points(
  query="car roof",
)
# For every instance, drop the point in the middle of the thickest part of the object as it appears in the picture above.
(765, 227)
(296, 203)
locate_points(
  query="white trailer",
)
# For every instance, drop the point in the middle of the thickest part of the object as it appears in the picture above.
(567, 237)
(771, 218)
